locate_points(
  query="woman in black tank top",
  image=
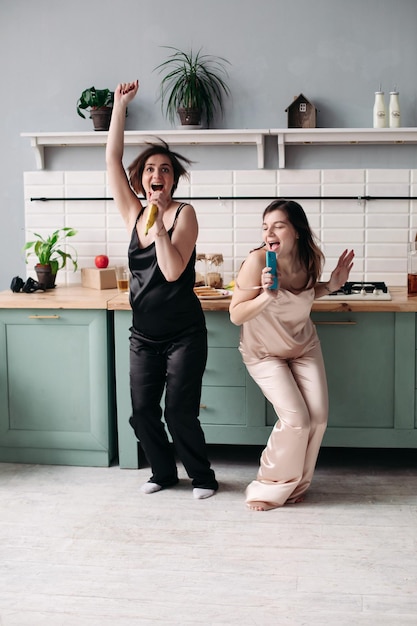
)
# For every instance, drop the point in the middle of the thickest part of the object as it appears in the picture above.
(168, 342)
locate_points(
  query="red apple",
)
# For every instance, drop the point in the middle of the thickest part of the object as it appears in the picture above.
(101, 261)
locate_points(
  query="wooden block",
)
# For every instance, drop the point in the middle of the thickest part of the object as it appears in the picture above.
(95, 278)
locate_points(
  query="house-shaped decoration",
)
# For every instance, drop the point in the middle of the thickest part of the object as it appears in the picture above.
(301, 113)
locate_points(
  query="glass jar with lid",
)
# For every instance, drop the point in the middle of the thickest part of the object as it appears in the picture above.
(214, 274)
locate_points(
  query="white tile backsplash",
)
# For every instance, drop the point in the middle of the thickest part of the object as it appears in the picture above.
(378, 230)
(332, 220)
(391, 176)
(387, 221)
(249, 189)
(297, 190)
(211, 177)
(388, 189)
(300, 177)
(46, 177)
(85, 178)
(343, 176)
(255, 177)
(204, 191)
(343, 189)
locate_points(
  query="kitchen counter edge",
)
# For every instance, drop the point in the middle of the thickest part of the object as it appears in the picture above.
(78, 297)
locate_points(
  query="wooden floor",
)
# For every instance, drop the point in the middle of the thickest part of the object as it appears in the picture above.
(83, 547)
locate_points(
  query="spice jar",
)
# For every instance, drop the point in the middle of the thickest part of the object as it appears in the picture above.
(214, 275)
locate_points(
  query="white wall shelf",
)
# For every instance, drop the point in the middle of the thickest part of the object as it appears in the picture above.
(285, 137)
(340, 136)
(40, 141)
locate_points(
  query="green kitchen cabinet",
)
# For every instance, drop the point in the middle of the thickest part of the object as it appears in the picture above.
(57, 401)
(371, 369)
(370, 363)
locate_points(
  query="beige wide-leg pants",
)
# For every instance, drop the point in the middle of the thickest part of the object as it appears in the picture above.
(297, 389)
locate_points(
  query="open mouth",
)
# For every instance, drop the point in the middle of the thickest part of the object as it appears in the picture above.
(273, 246)
(155, 187)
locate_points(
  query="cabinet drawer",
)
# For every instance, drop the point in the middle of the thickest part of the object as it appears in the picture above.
(224, 368)
(221, 332)
(223, 405)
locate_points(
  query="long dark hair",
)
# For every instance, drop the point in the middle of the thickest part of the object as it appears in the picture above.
(136, 168)
(311, 257)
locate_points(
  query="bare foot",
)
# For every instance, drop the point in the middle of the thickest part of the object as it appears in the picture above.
(255, 507)
(260, 506)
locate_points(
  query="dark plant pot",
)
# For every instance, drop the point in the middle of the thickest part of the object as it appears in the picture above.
(189, 117)
(45, 277)
(101, 117)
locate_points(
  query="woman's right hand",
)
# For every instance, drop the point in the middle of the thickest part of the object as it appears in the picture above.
(267, 280)
(125, 92)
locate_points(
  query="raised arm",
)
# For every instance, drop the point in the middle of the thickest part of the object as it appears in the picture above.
(339, 275)
(126, 200)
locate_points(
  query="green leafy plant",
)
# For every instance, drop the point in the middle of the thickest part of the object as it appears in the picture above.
(192, 81)
(93, 98)
(49, 251)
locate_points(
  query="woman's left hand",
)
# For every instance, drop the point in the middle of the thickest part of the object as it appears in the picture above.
(341, 272)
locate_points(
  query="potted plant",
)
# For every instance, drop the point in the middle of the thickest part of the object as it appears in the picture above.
(100, 104)
(51, 256)
(193, 86)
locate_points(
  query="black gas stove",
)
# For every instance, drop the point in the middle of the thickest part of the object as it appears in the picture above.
(366, 290)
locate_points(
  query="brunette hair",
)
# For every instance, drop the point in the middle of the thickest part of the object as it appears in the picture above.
(309, 252)
(136, 168)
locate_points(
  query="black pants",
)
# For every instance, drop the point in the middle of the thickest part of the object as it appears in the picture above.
(176, 366)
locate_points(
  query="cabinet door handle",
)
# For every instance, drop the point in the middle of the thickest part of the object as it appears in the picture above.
(328, 323)
(44, 317)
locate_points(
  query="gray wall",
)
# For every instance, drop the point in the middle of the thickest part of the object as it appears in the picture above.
(335, 52)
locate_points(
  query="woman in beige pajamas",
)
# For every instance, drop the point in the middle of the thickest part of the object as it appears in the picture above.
(281, 349)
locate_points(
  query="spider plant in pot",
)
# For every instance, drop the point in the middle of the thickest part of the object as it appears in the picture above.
(99, 102)
(51, 255)
(193, 86)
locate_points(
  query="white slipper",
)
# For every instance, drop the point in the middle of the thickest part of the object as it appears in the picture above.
(200, 494)
(150, 487)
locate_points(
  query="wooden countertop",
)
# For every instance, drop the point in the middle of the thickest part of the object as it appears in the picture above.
(400, 302)
(121, 303)
(62, 297)
(78, 297)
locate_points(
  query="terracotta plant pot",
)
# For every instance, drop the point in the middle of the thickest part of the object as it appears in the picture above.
(101, 117)
(46, 278)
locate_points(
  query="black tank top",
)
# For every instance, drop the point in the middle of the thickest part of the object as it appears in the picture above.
(161, 309)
